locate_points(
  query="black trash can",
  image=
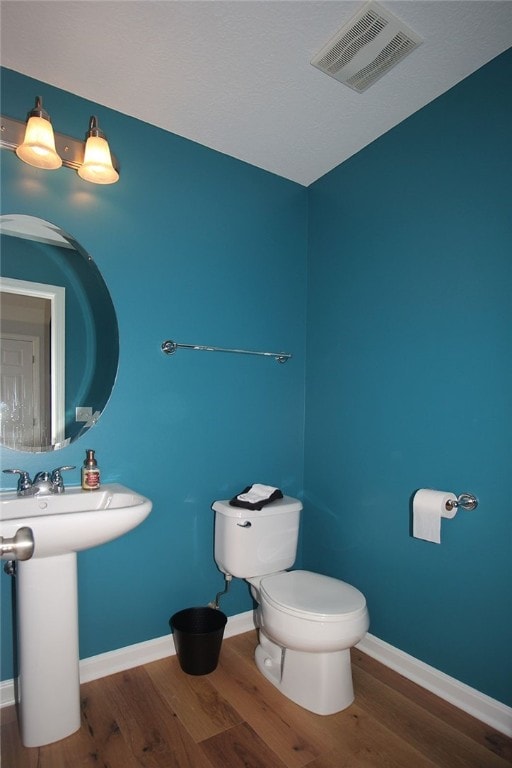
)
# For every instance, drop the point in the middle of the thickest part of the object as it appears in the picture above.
(198, 634)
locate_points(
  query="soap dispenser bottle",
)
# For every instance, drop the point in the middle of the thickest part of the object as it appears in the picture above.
(90, 472)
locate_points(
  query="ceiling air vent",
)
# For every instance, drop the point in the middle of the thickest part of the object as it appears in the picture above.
(366, 48)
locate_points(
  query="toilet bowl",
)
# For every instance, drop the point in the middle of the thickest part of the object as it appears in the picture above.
(307, 622)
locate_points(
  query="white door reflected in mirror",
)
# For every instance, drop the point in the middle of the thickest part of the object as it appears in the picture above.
(32, 380)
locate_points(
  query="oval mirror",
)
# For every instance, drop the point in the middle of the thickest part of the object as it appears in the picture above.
(59, 340)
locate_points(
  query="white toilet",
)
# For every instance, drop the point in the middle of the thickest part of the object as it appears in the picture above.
(307, 622)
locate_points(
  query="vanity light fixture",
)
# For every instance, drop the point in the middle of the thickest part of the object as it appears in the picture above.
(97, 166)
(36, 144)
(38, 148)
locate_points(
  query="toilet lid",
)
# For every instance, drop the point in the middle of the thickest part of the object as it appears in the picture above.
(312, 595)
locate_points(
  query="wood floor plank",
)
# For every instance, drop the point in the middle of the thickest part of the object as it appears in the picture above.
(444, 745)
(240, 747)
(152, 730)
(295, 735)
(8, 715)
(362, 742)
(244, 644)
(76, 751)
(99, 718)
(475, 729)
(200, 707)
(12, 753)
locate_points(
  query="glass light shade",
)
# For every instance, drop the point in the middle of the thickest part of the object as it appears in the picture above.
(97, 166)
(38, 148)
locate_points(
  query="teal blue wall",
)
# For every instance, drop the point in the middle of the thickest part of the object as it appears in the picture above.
(409, 378)
(201, 248)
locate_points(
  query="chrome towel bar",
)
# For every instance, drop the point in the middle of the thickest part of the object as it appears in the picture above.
(169, 348)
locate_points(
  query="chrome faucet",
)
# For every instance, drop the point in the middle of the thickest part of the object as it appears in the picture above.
(24, 481)
(43, 483)
(57, 480)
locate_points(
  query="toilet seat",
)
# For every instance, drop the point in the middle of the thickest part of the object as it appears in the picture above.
(312, 596)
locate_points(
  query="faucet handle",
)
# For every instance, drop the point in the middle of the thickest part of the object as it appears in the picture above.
(56, 477)
(58, 470)
(24, 481)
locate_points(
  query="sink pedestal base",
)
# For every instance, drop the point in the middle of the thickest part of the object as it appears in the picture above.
(47, 599)
(49, 678)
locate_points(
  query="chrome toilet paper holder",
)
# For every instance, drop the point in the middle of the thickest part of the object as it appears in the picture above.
(465, 500)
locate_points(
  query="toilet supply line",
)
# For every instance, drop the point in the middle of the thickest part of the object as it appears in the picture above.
(216, 603)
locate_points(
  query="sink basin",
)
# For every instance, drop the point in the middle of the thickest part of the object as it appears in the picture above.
(47, 598)
(73, 520)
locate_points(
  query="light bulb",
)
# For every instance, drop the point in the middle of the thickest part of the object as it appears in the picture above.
(97, 166)
(38, 148)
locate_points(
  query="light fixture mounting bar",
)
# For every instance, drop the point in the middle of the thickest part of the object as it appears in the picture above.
(70, 150)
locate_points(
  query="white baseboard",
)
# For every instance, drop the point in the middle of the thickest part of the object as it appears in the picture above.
(477, 704)
(108, 663)
(151, 650)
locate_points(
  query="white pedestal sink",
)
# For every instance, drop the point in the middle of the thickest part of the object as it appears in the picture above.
(46, 591)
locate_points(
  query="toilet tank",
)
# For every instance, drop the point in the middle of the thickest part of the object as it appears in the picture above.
(256, 542)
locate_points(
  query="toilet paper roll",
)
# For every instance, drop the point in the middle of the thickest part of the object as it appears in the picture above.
(428, 507)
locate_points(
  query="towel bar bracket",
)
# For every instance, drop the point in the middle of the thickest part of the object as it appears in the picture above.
(169, 347)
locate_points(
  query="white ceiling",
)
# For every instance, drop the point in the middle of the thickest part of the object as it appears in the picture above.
(236, 75)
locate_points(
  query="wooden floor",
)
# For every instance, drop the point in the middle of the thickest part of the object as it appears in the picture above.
(155, 716)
